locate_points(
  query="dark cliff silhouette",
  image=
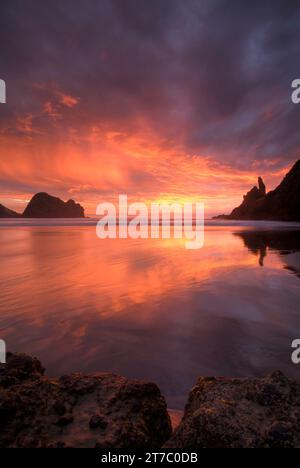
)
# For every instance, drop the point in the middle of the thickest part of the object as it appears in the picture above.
(43, 205)
(6, 213)
(281, 204)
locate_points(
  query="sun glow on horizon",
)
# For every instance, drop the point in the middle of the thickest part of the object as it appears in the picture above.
(100, 162)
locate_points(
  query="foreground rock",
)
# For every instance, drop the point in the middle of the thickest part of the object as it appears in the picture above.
(281, 204)
(43, 205)
(246, 413)
(108, 411)
(78, 410)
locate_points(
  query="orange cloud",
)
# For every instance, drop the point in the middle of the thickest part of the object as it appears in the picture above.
(104, 162)
(67, 100)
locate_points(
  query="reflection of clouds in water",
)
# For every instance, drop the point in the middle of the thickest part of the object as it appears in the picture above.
(149, 309)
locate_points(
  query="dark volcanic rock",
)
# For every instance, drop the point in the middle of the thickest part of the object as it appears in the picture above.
(261, 187)
(43, 205)
(282, 204)
(18, 368)
(6, 213)
(78, 410)
(246, 413)
(251, 202)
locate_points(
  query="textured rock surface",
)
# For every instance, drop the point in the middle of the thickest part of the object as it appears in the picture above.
(102, 410)
(109, 411)
(43, 205)
(282, 204)
(233, 413)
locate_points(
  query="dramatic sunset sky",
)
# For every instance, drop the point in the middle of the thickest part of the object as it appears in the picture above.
(159, 99)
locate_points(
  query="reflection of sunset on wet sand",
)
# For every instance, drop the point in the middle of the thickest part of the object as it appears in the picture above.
(146, 308)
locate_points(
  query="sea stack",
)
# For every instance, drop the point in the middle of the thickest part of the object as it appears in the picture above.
(43, 205)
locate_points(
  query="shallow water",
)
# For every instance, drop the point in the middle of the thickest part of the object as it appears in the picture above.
(150, 308)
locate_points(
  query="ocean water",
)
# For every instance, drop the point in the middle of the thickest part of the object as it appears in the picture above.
(151, 309)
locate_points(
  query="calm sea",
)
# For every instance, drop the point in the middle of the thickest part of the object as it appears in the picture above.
(150, 308)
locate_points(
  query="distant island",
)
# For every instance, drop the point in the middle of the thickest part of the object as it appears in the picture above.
(281, 204)
(43, 205)
(6, 213)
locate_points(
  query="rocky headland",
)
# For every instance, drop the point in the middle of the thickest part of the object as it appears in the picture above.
(43, 205)
(109, 411)
(6, 213)
(241, 413)
(281, 204)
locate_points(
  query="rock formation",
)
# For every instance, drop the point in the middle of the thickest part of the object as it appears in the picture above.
(261, 187)
(241, 413)
(6, 213)
(108, 411)
(282, 204)
(43, 205)
(77, 410)
(251, 201)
